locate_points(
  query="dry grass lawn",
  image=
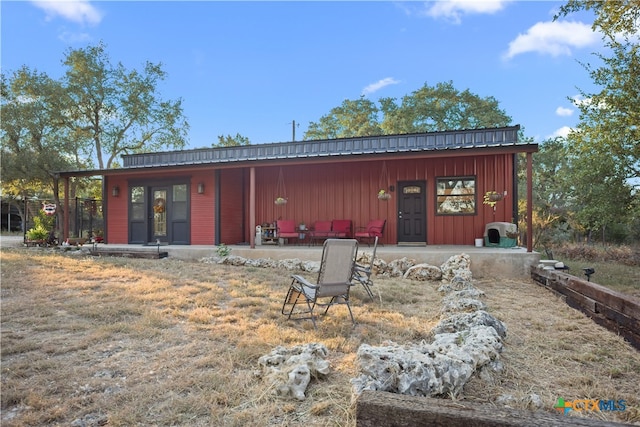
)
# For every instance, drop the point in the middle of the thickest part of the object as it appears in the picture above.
(115, 341)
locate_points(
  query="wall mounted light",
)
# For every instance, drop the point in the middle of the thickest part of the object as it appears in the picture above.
(115, 192)
(201, 188)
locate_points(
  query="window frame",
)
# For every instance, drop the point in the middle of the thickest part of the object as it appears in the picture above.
(441, 197)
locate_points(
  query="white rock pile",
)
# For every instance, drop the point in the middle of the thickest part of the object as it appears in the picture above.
(289, 371)
(466, 340)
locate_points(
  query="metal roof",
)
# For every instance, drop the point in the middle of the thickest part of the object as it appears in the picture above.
(383, 144)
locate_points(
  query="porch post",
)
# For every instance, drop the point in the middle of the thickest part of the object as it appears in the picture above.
(529, 202)
(252, 207)
(65, 214)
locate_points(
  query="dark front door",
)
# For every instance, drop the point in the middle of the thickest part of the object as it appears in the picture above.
(412, 213)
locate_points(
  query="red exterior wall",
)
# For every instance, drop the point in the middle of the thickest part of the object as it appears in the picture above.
(233, 210)
(203, 209)
(117, 210)
(327, 191)
(349, 191)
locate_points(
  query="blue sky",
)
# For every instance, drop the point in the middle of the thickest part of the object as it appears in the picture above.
(254, 67)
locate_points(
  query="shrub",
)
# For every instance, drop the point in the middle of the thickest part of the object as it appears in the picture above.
(37, 233)
(622, 254)
(223, 250)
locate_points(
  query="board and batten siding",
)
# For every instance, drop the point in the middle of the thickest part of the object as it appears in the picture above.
(349, 191)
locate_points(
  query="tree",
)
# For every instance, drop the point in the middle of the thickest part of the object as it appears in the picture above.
(600, 194)
(232, 141)
(429, 109)
(95, 113)
(440, 108)
(612, 17)
(552, 217)
(610, 119)
(605, 144)
(353, 118)
(115, 111)
(34, 145)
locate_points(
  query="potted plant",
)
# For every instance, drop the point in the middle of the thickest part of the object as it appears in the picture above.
(491, 198)
(383, 195)
(281, 201)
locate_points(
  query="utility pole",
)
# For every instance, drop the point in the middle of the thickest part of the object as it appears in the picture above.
(293, 129)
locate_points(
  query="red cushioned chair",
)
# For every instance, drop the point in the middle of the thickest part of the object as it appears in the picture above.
(287, 229)
(374, 229)
(321, 230)
(341, 228)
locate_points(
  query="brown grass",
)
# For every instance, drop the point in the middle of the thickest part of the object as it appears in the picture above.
(116, 341)
(617, 267)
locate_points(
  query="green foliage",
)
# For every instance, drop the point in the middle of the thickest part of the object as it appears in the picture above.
(588, 184)
(34, 145)
(42, 225)
(353, 118)
(223, 250)
(232, 141)
(96, 111)
(612, 17)
(427, 109)
(37, 233)
(440, 108)
(114, 111)
(577, 195)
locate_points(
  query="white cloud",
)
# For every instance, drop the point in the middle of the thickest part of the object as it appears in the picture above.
(70, 37)
(79, 11)
(563, 111)
(454, 9)
(580, 100)
(374, 87)
(553, 38)
(563, 132)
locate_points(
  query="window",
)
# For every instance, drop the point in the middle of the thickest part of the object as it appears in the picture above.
(137, 203)
(456, 195)
(179, 202)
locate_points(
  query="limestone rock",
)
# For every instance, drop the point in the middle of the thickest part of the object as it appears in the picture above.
(396, 268)
(423, 272)
(310, 266)
(458, 283)
(456, 265)
(289, 371)
(467, 341)
(234, 260)
(457, 305)
(464, 321)
(289, 264)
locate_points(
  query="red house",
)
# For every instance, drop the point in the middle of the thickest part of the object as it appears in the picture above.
(437, 184)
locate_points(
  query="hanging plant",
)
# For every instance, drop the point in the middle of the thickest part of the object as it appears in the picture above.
(491, 198)
(281, 189)
(384, 183)
(383, 195)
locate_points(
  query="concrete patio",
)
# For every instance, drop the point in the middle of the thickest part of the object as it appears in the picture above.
(486, 262)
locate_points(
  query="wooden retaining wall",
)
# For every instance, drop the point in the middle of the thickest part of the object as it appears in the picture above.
(383, 409)
(615, 311)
